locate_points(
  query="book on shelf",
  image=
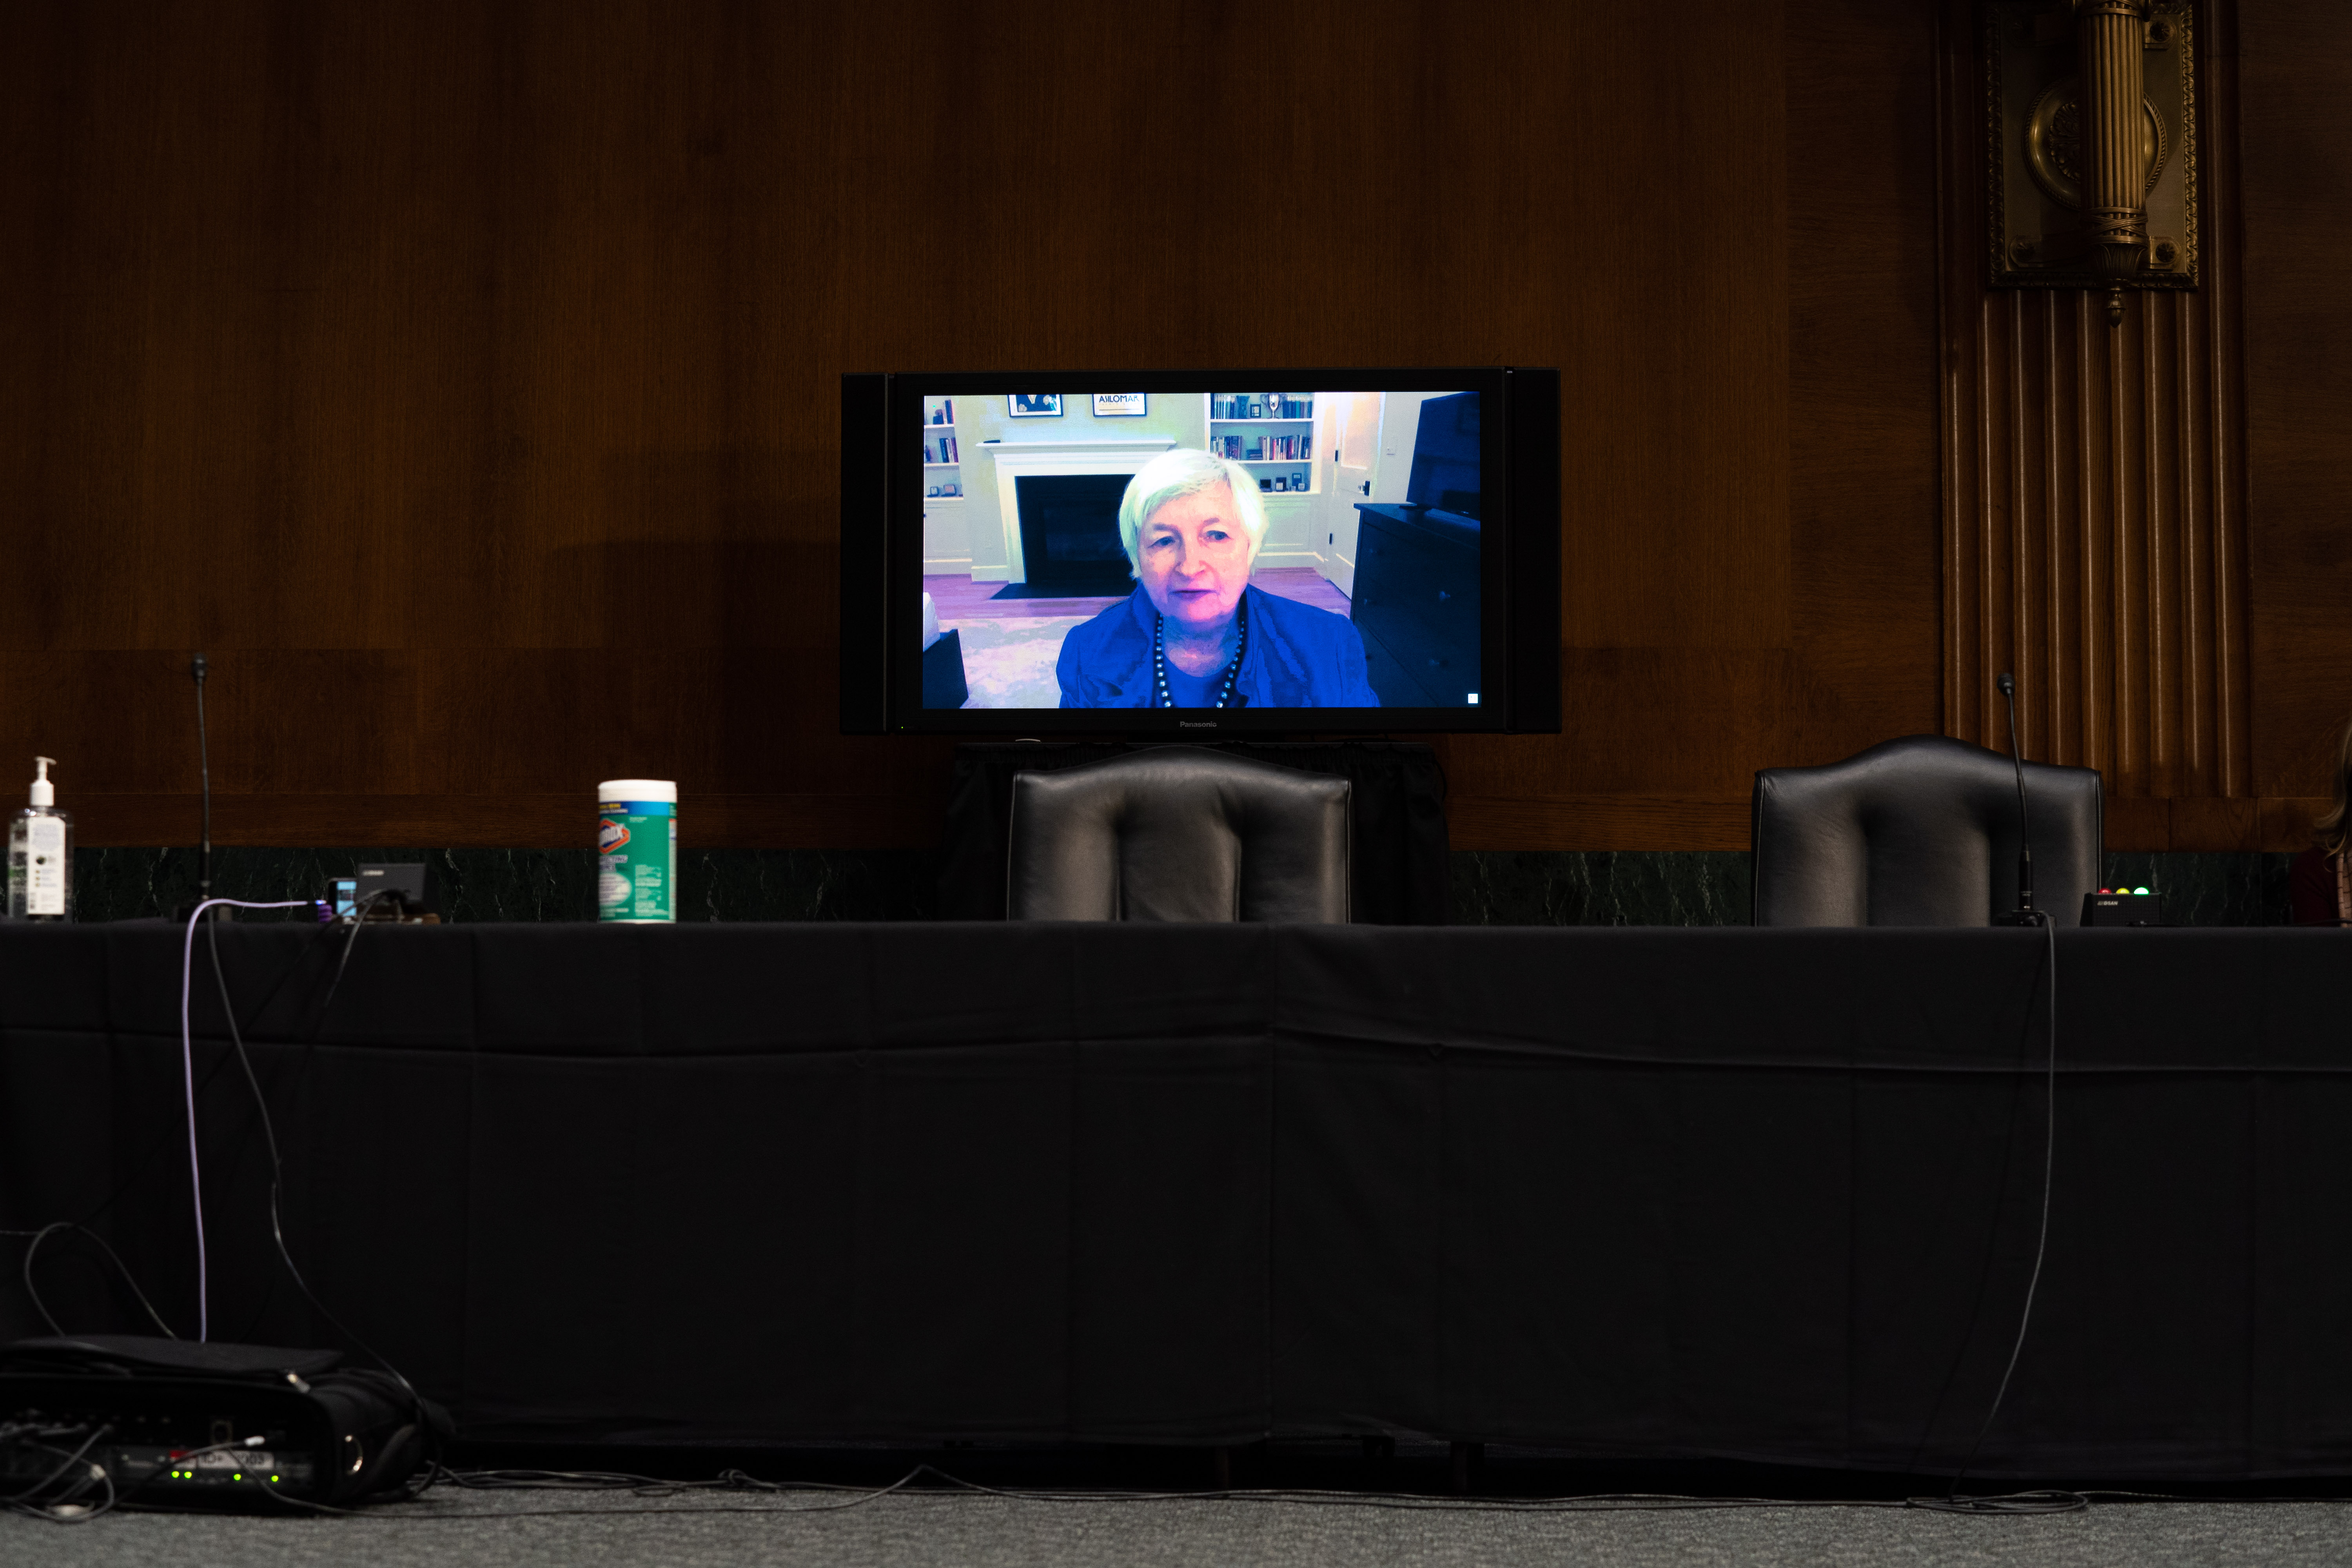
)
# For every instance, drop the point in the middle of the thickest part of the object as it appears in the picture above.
(1264, 448)
(1260, 406)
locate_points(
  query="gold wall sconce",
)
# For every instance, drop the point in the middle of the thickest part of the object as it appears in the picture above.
(2092, 145)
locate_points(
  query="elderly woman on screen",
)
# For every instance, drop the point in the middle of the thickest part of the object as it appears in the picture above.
(1194, 634)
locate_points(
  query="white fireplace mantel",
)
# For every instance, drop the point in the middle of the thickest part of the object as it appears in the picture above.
(1016, 461)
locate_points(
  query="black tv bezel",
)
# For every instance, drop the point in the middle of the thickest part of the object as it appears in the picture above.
(882, 544)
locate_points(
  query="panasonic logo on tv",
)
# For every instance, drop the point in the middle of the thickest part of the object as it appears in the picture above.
(1196, 724)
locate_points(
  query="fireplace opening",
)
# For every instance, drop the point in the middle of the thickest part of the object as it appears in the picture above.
(1069, 536)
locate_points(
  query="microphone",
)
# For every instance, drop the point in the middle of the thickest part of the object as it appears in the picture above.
(2025, 913)
(204, 782)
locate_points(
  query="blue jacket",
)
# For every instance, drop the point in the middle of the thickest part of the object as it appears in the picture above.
(1299, 657)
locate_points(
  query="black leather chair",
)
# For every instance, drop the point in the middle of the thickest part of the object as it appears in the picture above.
(1921, 832)
(1178, 833)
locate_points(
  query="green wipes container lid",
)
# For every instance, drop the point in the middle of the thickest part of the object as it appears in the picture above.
(626, 790)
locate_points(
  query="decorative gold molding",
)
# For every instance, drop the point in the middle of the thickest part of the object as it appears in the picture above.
(2054, 146)
(2042, 232)
(2094, 477)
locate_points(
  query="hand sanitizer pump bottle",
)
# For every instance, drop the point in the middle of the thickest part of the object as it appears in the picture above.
(40, 855)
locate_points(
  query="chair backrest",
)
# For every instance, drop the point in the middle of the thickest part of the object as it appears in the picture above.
(1920, 832)
(1178, 833)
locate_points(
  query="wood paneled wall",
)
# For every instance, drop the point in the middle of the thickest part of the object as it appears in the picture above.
(2295, 66)
(1750, 480)
(2100, 537)
(460, 373)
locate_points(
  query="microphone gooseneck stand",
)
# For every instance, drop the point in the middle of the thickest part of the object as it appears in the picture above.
(2025, 914)
(205, 783)
(218, 911)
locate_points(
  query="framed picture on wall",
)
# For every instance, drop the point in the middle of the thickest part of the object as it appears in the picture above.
(1121, 404)
(1035, 404)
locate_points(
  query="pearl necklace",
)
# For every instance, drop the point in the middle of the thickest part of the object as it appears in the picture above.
(1161, 697)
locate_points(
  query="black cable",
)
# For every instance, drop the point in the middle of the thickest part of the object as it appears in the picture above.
(736, 1481)
(70, 1460)
(167, 1143)
(39, 1501)
(1590, 1502)
(408, 1517)
(57, 1513)
(2042, 1502)
(43, 1234)
(161, 1147)
(358, 919)
(1951, 1500)
(276, 1228)
(583, 1480)
(278, 1173)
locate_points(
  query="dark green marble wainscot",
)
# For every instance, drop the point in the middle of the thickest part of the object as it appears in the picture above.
(528, 884)
(1600, 887)
(1694, 888)
(2209, 890)
(1681, 887)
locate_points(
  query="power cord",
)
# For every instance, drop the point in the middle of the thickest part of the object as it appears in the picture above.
(2036, 1501)
(64, 1507)
(737, 1482)
(188, 1078)
(139, 1170)
(424, 1426)
(56, 1496)
(33, 1249)
(358, 919)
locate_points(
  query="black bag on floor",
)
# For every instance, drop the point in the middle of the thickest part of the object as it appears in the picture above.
(181, 1422)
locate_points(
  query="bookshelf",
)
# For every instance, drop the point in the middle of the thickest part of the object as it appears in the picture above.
(942, 471)
(947, 541)
(1271, 434)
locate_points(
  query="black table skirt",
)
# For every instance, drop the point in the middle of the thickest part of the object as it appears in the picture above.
(1767, 1194)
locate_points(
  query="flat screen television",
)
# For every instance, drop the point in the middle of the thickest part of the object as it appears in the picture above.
(1201, 553)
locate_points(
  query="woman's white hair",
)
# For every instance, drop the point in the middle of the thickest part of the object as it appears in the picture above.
(1186, 472)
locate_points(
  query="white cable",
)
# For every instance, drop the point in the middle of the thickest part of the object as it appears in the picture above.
(188, 1078)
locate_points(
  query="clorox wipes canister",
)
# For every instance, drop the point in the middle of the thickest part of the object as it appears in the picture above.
(636, 850)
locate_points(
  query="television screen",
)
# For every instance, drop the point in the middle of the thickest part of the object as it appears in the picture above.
(1223, 550)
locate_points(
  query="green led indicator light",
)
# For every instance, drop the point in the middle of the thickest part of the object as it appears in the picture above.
(2139, 890)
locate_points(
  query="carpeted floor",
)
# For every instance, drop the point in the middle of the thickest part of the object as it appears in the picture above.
(512, 1529)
